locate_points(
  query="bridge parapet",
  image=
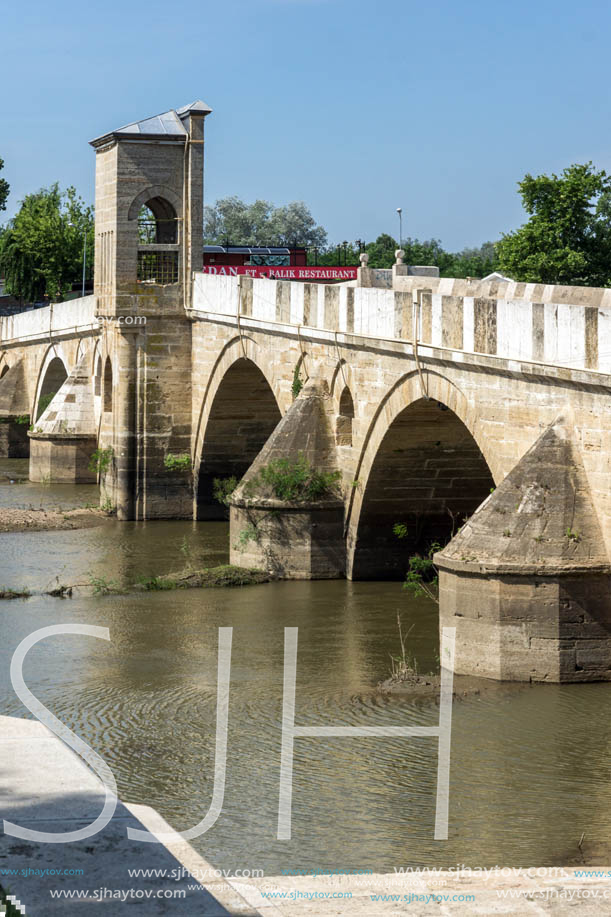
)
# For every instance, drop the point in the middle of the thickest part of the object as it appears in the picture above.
(559, 326)
(58, 318)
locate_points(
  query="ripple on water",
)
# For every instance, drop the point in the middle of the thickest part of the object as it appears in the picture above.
(530, 769)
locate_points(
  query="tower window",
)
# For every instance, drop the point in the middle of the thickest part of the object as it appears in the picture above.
(158, 267)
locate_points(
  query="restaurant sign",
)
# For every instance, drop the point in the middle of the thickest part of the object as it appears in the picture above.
(282, 273)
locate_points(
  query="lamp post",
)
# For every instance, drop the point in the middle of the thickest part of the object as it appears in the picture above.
(400, 212)
(70, 223)
(84, 259)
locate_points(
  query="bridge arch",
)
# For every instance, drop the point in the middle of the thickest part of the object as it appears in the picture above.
(240, 409)
(53, 373)
(424, 465)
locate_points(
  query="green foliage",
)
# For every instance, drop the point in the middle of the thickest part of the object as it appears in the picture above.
(567, 238)
(41, 250)
(261, 223)
(23, 420)
(421, 574)
(102, 586)
(250, 533)
(173, 462)
(295, 481)
(405, 665)
(8, 593)
(108, 507)
(297, 384)
(44, 401)
(9, 909)
(4, 188)
(572, 535)
(470, 262)
(157, 583)
(223, 575)
(101, 460)
(222, 488)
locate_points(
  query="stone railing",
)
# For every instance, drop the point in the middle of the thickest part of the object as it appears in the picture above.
(561, 326)
(59, 318)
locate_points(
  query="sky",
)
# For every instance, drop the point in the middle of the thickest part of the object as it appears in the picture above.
(355, 108)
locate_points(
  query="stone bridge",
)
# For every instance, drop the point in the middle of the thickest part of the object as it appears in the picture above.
(466, 414)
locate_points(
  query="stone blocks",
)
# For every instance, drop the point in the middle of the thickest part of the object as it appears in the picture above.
(61, 459)
(537, 629)
(296, 543)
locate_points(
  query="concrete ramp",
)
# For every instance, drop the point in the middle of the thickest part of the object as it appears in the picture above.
(44, 786)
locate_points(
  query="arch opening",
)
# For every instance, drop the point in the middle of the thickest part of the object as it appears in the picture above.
(157, 225)
(343, 424)
(243, 416)
(107, 385)
(55, 376)
(428, 476)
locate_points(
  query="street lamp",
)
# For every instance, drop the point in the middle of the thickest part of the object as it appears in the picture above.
(84, 259)
(70, 223)
(400, 212)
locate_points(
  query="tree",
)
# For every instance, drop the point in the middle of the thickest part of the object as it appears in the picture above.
(4, 188)
(568, 236)
(382, 251)
(41, 250)
(473, 262)
(261, 223)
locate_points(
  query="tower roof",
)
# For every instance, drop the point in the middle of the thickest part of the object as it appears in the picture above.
(167, 126)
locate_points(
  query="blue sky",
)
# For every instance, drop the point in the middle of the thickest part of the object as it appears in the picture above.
(356, 108)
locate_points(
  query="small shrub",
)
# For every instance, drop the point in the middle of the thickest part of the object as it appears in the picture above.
(572, 535)
(108, 507)
(222, 488)
(421, 577)
(400, 530)
(248, 534)
(9, 909)
(174, 462)
(295, 482)
(297, 384)
(157, 583)
(101, 460)
(6, 593)
(23, 420)
(103, 586)
(44, 401)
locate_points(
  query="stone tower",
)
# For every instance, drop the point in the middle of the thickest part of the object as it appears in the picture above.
(149, 225)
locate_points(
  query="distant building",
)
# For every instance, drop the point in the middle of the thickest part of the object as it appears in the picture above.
(254, 256)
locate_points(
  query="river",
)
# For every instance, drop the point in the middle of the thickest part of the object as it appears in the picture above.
(531, 765)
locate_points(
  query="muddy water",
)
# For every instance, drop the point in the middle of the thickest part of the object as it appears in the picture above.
(531, 766)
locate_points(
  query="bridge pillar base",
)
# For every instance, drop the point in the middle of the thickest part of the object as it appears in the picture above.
(62, 459)
(291, 543)
(14, 442)
(275, 523)
(529, 628)
(527, 582)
